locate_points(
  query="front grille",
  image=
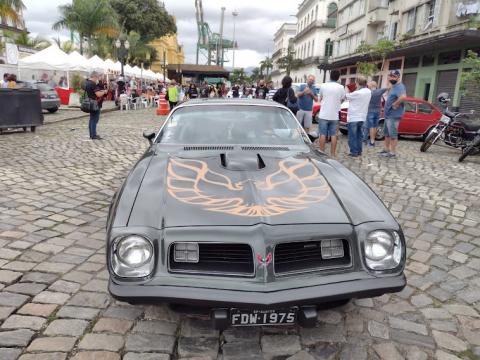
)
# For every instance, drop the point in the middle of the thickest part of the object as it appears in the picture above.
(265, 148)
(218, 259)
(306, 256)
(207, 148)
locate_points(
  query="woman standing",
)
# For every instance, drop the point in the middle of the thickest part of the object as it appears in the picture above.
(286, 95)
(192, 91)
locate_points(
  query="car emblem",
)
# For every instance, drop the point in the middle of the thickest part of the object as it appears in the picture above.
(265, 260)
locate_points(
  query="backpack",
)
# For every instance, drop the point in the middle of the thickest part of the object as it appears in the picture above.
(293, 106)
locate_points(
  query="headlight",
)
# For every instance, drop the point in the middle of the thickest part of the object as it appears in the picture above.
(383, 250)
(132, 256)
(445, 119)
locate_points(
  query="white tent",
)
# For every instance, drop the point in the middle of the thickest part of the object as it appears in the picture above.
(110, 65)
(117, 66)
(77, 62)
(149, 74)
(127, 69)
(136, 71)
(51, 58)
(96, 64)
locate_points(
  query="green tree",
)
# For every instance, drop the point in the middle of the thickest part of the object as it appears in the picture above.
(471, 73)
(238, 76)
(10, 10)
(256, 75)
(266, 65)
(89, 18)
(66, 46)
(24, 39)
(366, 68)
(139, 50)
(380, 50)
(289, 62)
(146, 17)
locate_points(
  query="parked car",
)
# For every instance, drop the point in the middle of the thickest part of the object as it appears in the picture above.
(420, 117)
(48, 95)
(232, 208)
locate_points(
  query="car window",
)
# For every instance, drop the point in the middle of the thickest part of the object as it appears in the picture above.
(410, 107)
(425, 108)
(232, 124)
(44, 87)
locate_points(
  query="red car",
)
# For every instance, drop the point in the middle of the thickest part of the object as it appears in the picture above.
(419, 118)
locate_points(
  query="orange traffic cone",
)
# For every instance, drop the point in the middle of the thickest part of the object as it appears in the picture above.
(163, 108)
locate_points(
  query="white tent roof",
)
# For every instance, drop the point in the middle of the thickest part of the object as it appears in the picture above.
(117, 66)
(51, 58)
(127, 69)
(96, 64)
(77, 62)
(136, 71)
(110, 65)
(149, 74)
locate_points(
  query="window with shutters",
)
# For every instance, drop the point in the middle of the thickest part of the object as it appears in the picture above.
(411, 17)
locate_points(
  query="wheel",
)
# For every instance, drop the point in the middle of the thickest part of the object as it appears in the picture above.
(344, 131)
(380, 131)
(52, 110)
(469, 150)
(33, 128)
(428, 141)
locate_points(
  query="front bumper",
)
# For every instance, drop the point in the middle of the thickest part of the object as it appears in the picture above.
(210, 297)
(50, 103)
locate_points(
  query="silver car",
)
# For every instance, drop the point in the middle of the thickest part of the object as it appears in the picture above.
(48, 95)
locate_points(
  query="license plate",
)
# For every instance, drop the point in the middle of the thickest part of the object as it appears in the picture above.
(262, 317)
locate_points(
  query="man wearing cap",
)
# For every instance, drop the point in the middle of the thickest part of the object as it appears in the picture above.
(394, 109)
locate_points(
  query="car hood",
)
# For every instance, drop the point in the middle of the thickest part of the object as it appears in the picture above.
(247, 188)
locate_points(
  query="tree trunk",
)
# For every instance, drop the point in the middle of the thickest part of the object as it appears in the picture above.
(81, 43)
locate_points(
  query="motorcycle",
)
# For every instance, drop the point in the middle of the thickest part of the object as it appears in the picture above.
(472, 149)
(454, 129)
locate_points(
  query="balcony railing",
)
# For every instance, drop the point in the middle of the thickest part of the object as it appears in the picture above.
(375, 4)
(330, 23)
(278, 53)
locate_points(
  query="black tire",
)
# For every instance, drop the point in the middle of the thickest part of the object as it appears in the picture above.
(344, 131)
(33, 128)
(470, 149)
(52, 110)
(428, 141)
(380, 131)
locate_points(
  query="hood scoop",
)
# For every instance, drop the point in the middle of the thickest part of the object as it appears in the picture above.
(242, 161)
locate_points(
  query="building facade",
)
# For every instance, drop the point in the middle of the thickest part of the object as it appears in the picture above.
(283, 40)
(169, 50)
(7, 26)
(313, 40)
(431, 39)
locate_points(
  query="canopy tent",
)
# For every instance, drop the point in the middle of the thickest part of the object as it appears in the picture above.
(77, 62)
(127, 69)
(110, 65)
(51, 58)
(96, 64)
(117, 66)
(149, 74)
(136, 71)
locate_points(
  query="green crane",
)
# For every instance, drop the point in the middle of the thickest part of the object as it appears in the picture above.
(212, 46)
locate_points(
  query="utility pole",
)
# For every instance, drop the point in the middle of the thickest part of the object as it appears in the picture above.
(235, 14)
(220, 47)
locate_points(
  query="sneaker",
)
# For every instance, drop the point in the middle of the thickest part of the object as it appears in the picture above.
(391, 155)
(98, 137)
(352, 155)
(371, 145)
(383, 153)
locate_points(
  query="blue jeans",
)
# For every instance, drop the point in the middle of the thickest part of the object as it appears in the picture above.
(371, 123)
(327, 127)
(355, 134)
(92, 124)
(391, 127)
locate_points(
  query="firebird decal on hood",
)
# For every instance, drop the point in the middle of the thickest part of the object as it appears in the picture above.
(296, 184)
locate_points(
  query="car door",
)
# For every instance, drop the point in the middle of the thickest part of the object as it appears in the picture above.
(409, 118)
(428, 116)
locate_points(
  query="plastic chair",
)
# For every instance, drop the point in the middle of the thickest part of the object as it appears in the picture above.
(144, 102)
(124, 102)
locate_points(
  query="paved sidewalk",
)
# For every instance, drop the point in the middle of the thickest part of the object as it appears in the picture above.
(55, 190)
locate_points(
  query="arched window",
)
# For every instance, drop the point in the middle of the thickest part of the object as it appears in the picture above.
(332, 15)
(316, 12)
(308, 50)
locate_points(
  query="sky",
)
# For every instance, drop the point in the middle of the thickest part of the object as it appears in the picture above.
(256, 23)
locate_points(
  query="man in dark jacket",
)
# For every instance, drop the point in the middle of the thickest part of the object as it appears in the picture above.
(94, 92)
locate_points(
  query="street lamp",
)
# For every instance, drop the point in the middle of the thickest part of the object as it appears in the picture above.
(122, 46)
(235, 14)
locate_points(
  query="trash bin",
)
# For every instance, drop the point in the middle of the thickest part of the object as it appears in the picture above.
(21, 108)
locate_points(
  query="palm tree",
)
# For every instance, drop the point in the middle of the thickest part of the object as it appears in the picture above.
(10, 11)
(66, 46)
(267, 65)
(289, 62)
(24, 39)
(256, 74)
(90, 18)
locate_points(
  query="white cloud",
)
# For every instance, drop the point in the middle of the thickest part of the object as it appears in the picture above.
(255, 25)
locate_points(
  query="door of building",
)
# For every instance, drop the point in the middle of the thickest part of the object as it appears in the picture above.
(446, 81)
(410, 82)
(471, 99)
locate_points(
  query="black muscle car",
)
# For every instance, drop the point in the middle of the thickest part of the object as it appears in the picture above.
(232, 207)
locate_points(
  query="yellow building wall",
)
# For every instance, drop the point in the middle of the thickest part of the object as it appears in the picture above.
(173, 51)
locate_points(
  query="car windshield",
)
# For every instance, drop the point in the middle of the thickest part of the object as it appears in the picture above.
(232, 124)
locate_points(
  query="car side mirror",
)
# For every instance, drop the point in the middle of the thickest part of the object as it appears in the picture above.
(149, 135)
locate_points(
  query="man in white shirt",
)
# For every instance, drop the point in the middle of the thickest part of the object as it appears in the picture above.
(4, 81)
(331, 96)
(357, 115)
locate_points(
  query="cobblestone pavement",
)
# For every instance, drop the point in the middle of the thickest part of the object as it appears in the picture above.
(55, 189)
